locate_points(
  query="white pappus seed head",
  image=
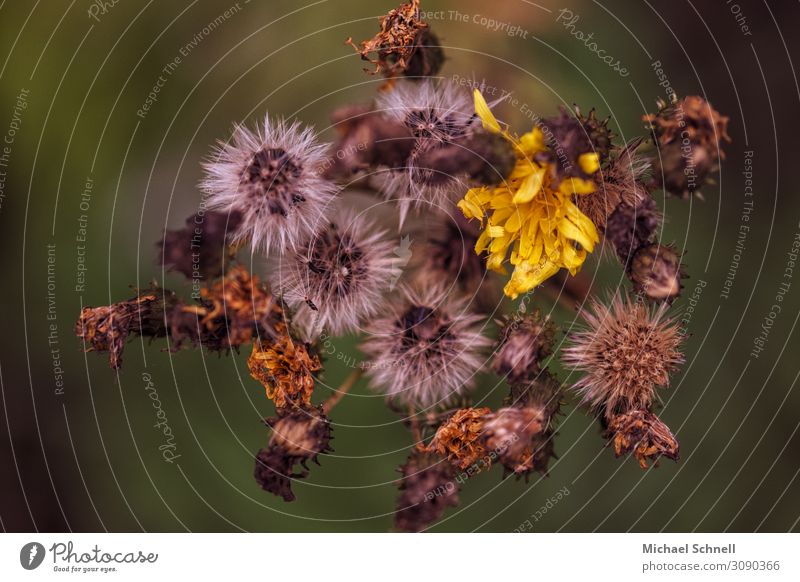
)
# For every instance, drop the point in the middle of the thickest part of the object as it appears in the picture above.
(436, 113)
(426, 351)
(271, 176)
(336, 277)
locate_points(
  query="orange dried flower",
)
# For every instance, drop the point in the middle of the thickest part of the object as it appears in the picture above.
(460, 438)
(643, 434)
(286, 369)
(237, 307)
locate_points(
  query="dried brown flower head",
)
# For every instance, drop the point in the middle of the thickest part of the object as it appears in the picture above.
(524, 342)
(510, 433)
(286, 368)
(404, 45)
(460, 438)
(427, 488)
(299, 435)
(107, 328)
(625, 353)
(656, 272)
(233, 311)
(632, 226)
(568, 140)
(643, 434)
(197, 250)
(544, 395)
(693, 119)
(688, 134)
(598, 131)
(621, 181)
(449, 255)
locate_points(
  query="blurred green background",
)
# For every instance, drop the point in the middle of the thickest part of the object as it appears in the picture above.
(88, 459)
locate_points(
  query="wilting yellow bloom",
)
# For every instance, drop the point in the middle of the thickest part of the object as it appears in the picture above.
(530, 214)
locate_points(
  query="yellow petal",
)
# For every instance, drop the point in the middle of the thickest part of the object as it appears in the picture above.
(486, 115)
(572, 232)
(530, 187)
(589, 163)
(576, 186)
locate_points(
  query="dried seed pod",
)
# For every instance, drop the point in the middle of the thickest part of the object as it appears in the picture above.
(427, 488)
(571, 154)
(630, 227)
(512, 434)
(299, 435)
(656, 272)
(524, 342)
(107, 328)
(691, 119)
(598, 131)
(197, 250)
(643, 434)
(688, 134)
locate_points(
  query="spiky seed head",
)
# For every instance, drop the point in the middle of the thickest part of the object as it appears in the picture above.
(524, 342)
(427, 487)
(337, 277)
(272, 177)
(656, 272)
(626, 351)
(427, 350)
(643, 434)
(543, 392)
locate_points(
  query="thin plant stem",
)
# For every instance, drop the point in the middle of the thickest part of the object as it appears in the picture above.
(348, 383)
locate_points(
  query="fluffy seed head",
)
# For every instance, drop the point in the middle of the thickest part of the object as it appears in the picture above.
(271, 176)
(643, 434)
(436, 114)
(625, 353)
(337, 277)
(428, 486)
(426, 351)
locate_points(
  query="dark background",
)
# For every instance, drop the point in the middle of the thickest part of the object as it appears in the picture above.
(88, 459)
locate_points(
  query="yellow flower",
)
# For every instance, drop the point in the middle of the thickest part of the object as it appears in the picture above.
(530, 214)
